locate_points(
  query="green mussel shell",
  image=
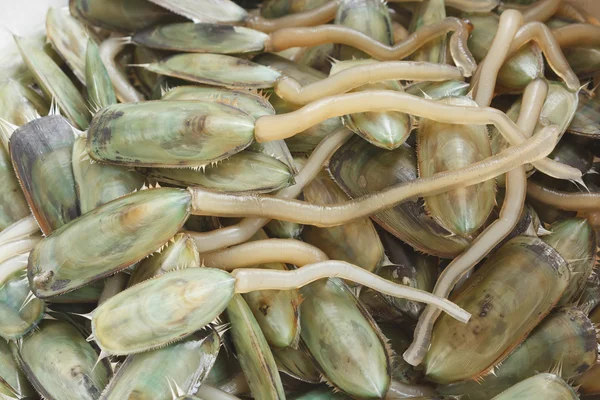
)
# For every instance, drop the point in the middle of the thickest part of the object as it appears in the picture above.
(539, 387)
(356, 242)
(19, 104)
(19, 313)
(321, 393)
(584, 61)
(566, 337)
(399, 342)
(279, 8)
(97, 183)
(168, 133)
(430, 12)
(13, 205)
(162, 310)
(438, 90)
(360, 168)
(60, 364)
(54, 83)
(446, 147)
(202, 38)
(13, 382)
(253, 352)
(154, 374)
(217, 70)
(247, 171)
(124, 16)
(87, 294)
(283, 229)
(113, 237)
(99, 87)
(297, 363)
(504, 309)
(585, 122)
(344, 340)
(575, 240)
(41, 155)
(180, 252)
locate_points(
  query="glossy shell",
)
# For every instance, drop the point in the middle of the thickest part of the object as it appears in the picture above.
(427, 13)
(343, 339)
(19, 312)
(503, 306)
(399, 342)
(540, 387)
(13, 205)
(438, 90)
(98, 184)
(99, 87)
(202, 38)
(585, 121)
(54, 83)
(13, 382)
(279, 8)
(217, 70)
(41, 155)
(154, 374)
(355, 242)
(566, 337)
(253, 352)
(61, 364)
(446, 147)
(162, 310)
(179, 253)
(360, 168)
(192, 133)
(297, 363)
(247, 171)
(112, 235)
(19, 104)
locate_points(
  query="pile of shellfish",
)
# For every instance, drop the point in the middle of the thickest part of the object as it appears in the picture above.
(311, 199)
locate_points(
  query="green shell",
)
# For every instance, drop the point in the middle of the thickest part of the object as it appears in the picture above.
(154, 374)
(217, 70)
(585, 122)
(504, 309)
(61, 364)
(584, 61)
(41, 155)
(180, 252)
(112, 237)
(13, 205)
(427, 13)
(87, 294)
(19, 104)
(446, 147)
(539, 387)
(438, 90)
(279, 8)
(399, 342)
(162, 310)
(253, 352)
(247, 171)
(100, 90)
(168, 133)
(360, 168)
(343, 339)
(566, 337)
(54, 83)
(283, 229)
(297, 363)
(202, 38)
(19, 312)
(69, 37)
(13, 382)
(124, 16)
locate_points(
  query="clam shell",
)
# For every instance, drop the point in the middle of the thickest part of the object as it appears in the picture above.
(19, 104)
(202, 38)
(427, 13)
(297, 363)
(539, 387)
(13, 206)
(279, 8)
(162, 310)
(111, 237)
(99, 87)
(438, 90)
(60, 364)
(13, 382)
(585, 122)
(41, 156)
(504, 309)
(192, 133)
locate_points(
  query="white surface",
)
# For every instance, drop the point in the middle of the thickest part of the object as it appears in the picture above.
(23, 16)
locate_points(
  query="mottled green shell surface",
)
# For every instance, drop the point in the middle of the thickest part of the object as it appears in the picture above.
(13, 205)
(446, 147)
(113, 236)
(19, 312)
(356, 242)
(180, 252)
(575, 240)
(202, 38)
(344, 340)
(253, 352)
(168, 133)
(566, 337)
(154, 374)
(69, 38)
(97, 183)
(539, 387)
(99, 87)
(438, 90)
(13, 382)
(217, 70)
(19, 104)
(297, 363)
(360, 168)
(60, 364)
(504, 309)
(41, 155)
(162, 310)
(54, 83)
(586, 119)
(279, 8)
